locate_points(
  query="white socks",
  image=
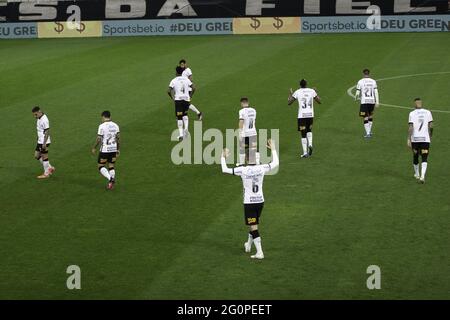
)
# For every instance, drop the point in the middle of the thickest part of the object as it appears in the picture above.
(424, 169)
(305, 145)
(250, 239)
(180, 128)
(105, 173)
(112, 173)
(309, 136)
(193, 108)
(370, 126)
(186, 125)
(367, 127)
(416, 170)
(258, 246)
(46, 165)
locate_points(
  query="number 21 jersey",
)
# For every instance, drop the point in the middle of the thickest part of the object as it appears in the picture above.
(108, 131)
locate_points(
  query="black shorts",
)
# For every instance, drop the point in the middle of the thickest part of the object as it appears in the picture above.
(420, 147)
(252, 213)
(181, 108)
(305, 124)
(366, 110)
(107, 157)
(39, 148)
(250, 142)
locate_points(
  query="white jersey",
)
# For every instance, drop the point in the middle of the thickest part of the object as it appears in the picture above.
(249, 117)
(181, 86)
(252, 180)
(420, 119)
(305, 98)
(187, 73)
(367, 88)
(108, 130)
(42, 124)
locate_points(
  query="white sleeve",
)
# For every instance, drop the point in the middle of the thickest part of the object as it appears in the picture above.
(410, 120)
(377, 96)
(171, 84)
(295, 95)
(314, 93)
(225, 168)
(46, 124)
(100, 131)
(274, 164)
(358, 86)
(241, 114)
(188, 72)
(431, 116)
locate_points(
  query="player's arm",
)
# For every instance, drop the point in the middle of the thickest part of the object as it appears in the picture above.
(169, 92)
(46, 135)
(118, 142)
(291, 99)
(410, 133)
(377, 97)
(97, 142)
(223, 162)
(430, 128)
(358, 92)
(275, 161)
(191, 93)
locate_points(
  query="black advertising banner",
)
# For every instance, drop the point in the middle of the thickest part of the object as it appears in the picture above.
(54, 10)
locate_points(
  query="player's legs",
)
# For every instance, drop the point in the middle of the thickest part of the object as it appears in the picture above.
(198, 112)
(42, 156)
(185, 125)
(416, 162)
(243, 147)
(424, 151)
(303, 137)
(252, 215)
(309, 136)
(179, 112)
(102, 162)
(364, 113)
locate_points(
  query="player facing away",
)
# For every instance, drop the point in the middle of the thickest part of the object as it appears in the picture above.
(305, 97)
(43, 142)
(419, 137)
(108, 137)
(247, 130)
(367, 92)
(252, 176)
(181, 89)
(187, 72)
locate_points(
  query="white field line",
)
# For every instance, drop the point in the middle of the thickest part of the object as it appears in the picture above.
(351, 94)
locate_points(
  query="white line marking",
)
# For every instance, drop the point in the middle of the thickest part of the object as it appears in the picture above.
(351, 94)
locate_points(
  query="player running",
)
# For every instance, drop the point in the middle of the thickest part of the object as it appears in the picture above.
(252, 179)
(187, 72)
(109, 137)
(367, 92)
(419, 137)
(305, 97)
(247, 130)
(181, 89)
(43, 142)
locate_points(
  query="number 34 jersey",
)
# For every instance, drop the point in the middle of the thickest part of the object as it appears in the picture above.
(248, 115)
(305, 98)
(108, 131)
(252, 180)
(420, 119)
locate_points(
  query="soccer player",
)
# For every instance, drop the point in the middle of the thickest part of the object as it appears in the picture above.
(247, 130)
(181, 89)
(108, 136)
(305, 97)
(419, 137)
(43, 142)
(367, 92)
(187, 72)
(252, 176)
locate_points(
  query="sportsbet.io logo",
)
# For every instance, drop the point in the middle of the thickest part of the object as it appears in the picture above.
(205, 147)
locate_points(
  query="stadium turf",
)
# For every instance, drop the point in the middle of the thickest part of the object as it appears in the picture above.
(176, 232)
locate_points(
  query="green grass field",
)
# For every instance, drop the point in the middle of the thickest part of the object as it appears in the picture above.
(176, 232)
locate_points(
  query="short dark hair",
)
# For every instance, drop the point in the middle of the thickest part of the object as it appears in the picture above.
(244, 99)
(303, 83)
(106, 114)
(417, 99)
(35, 109)
(366, 71)
(182, 61)
(179, 70)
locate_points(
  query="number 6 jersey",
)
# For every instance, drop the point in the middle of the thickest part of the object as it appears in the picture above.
(108, 130)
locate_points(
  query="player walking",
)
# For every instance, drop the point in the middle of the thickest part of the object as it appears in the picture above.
(181, 89)
(109, 137)
(43, 142)
(419, 137)
(252, 177)
(247, 131)
(187, 72)
(367, 92)
(305, 97)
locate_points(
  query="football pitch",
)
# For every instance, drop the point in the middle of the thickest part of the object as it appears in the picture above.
(176, 232)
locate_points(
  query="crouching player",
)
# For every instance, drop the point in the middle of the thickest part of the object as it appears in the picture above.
(252, 175)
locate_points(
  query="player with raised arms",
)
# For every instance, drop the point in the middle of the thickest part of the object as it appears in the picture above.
(419, 137)
(252, 176)
(305, 119)
(108, 137)
(367, 92)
